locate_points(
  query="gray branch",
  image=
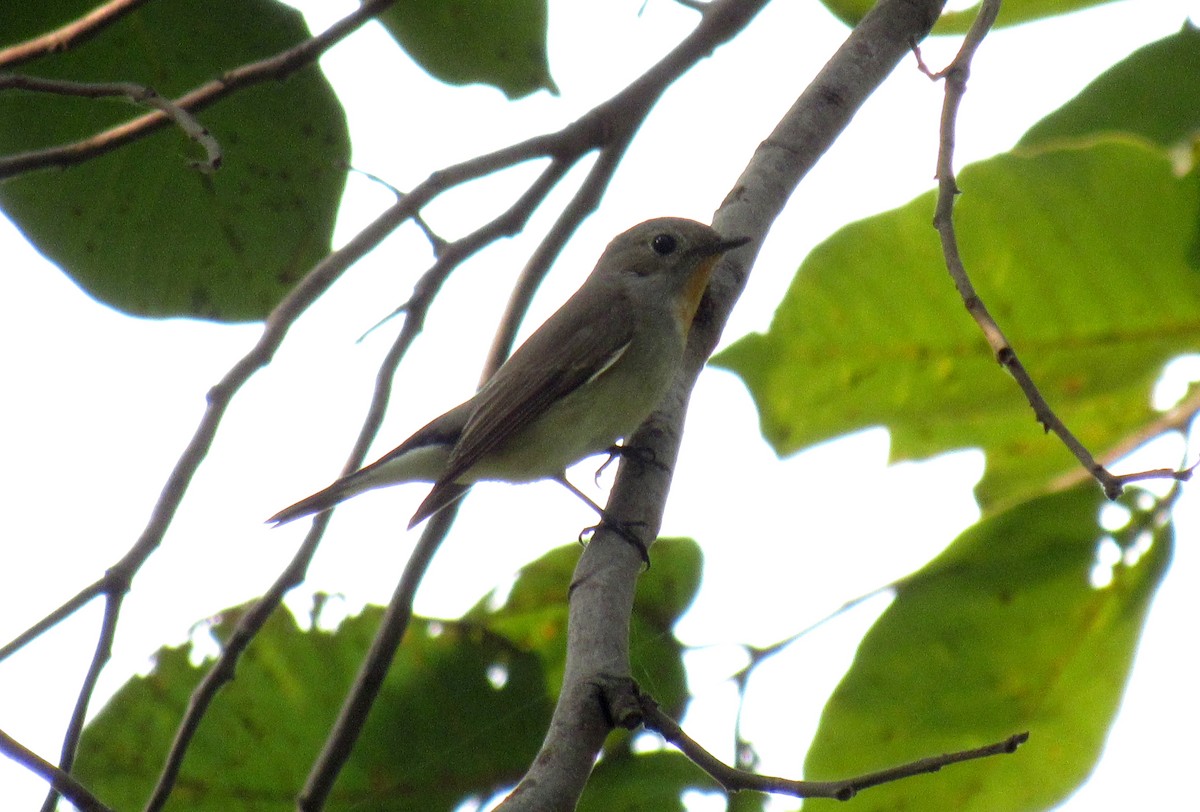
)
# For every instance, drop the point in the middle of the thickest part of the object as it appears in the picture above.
(603, 585)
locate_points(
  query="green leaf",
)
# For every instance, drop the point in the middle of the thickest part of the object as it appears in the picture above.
(1082, 255)
(1152, 93)
(1003, 632)
(452, 688)
(664, 592)
(534, 615)
(1012, 12)
(138, 228)
(460, 42)
(649, 781)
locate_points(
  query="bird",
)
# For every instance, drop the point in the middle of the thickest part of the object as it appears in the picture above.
(587, 377)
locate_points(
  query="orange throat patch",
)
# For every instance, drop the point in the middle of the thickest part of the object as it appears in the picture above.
(693, 292)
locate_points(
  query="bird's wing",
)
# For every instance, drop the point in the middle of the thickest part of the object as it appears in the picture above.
(563, 355)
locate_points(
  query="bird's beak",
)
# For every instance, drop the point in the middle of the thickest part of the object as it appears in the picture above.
(726, 245)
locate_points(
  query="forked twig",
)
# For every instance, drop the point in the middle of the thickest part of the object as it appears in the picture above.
(955, 77)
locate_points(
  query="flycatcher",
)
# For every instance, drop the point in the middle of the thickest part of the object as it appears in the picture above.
(587, 377)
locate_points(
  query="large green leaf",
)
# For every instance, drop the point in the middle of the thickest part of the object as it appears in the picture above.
(534, 615)
(1003, 632)
(452, 688)
(1082, 254)
(495, 42)
(1012, 12)
(1154, 93)
(138, 228)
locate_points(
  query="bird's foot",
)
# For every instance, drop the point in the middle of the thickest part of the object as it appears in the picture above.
(622, 529)
(639, 454)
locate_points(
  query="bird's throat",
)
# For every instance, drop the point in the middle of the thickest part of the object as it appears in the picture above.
(693, 291)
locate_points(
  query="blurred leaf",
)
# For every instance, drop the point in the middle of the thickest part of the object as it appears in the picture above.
(957, 22)
(646, 781)
(747, 802)
(1081, 254)
(460, 42)
(534, 615)
(461, 712)
(1001, 633)
(1153, 93)
(138, 228)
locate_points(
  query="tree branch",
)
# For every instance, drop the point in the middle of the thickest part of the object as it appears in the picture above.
(735, 780)
(955, 77)
(278, 66)
(63, 782)
(70, 35)
(602, 589)
(138, 94)
(374, 667)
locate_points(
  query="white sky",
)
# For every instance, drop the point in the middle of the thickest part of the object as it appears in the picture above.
(100, 405)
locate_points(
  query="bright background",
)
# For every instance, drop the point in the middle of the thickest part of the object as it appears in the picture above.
(98, 406)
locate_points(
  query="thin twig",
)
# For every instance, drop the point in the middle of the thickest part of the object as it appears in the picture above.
(1177, 418)
(116, 585)
(63, 782)
(583, 203)
(225, 667)
(81, 599)
(138, 94)
(274, 67)
(374, 668)
(70, 35)
(955, 77)
(735, 780)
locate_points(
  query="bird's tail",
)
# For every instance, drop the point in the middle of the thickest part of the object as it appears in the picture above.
(339, 491)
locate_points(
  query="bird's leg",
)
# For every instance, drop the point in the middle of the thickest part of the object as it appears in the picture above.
(639, 454)
(622, 529)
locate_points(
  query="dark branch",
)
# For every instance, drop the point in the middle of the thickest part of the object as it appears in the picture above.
(735, 780)
(374, 668)
(955, 77)
(63, 782)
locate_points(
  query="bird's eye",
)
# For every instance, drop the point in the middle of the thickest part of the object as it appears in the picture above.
(663, 244)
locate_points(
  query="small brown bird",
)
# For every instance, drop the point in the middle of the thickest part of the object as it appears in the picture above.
(587, 377)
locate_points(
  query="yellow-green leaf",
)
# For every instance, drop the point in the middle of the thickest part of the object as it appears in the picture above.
(1009, 630)
(1082, 254)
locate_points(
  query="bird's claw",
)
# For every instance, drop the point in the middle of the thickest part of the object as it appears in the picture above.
(622, 529)
(639, 454)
